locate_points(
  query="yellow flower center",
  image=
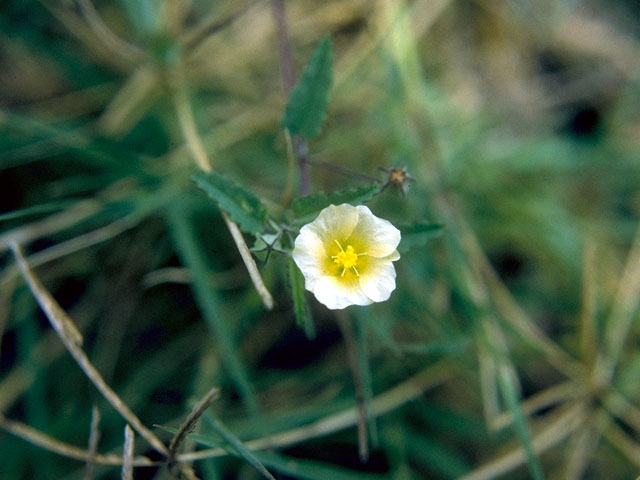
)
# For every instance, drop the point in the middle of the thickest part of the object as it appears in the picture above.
(347, 258)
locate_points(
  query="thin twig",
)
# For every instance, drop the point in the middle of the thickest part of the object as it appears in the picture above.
(249, 262)
(94, 437)
(127, 454)
(190, 423)
(332, 167)
(344, 322)
(287, 67)
(53, 445)
(64, 327)
(287, 194)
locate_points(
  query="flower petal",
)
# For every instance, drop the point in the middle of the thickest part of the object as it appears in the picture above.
(336, 293)
(393, 257)
(379, 280)
(334, 222)
(309, 254)
(379, 235)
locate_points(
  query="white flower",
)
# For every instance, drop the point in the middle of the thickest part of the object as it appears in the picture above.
(346, 256)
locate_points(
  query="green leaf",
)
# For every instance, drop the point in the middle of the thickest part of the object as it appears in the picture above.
(307, 208)
(300, 305)
(307, 104)
(237, 445)
(243, 207)
(417, 235)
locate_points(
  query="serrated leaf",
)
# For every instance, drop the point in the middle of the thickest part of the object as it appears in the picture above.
(300, 306)
(243, 207)
(417, 235)
(307, 105)
(307, 208)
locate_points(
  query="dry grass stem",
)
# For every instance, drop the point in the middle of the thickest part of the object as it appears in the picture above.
(623, 311)
(582, 444)
(127, 454)
(190, 423)
(74, 244)
(67, 332)
(51, 224)
(549, 437)
(588, 327)
(541, 400)
(250, 263)
(344, 322)
(199, 154)
(53, 445)
(106, 35)
(94, 438)
(393, 398)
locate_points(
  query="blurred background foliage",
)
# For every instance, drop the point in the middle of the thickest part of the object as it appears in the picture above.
(508, 350)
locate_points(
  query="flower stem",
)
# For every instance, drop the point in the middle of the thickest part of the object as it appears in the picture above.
(287, 70)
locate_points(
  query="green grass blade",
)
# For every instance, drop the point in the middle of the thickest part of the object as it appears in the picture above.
(436, 457)
(360, 330)
(507, 384)
(193, 257)
(310, 469)
(237, 445)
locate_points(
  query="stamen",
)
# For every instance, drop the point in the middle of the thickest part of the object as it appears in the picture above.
(356, 270)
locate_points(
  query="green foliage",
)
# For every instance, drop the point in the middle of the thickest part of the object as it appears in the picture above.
(509, 389)
(243, 207)
(194, 258)
(307, 208)
(536, 191)
(307, 105)
(300, 305)
(417, 235)
(236, 444)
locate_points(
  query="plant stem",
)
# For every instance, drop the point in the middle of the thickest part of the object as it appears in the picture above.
(287, 70)
(199, 154)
